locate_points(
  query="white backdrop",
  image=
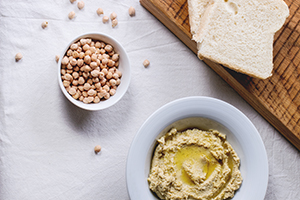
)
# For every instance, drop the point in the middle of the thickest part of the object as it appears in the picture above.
(46, 143)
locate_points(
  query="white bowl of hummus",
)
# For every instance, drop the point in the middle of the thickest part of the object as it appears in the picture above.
(181, 151)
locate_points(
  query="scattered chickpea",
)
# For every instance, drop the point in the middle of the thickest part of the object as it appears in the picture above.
(18, 56)
(114, 23)
(99, 11)
(105, 19)
(80, 5)
(71, 15)
(146, 63)
(57, 58)
(97, 149)
(131, 11)
(72, 1)
(44, 24)
(113, 16)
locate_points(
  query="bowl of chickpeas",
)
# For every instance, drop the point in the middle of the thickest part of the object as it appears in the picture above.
(94, 71)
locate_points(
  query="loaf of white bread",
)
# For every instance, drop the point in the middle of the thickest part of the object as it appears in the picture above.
(238, 34)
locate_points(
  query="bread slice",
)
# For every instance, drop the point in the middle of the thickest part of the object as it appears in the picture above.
(239, 34)
(196, 10)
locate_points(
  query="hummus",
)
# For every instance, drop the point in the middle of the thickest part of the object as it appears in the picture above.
(194, 164)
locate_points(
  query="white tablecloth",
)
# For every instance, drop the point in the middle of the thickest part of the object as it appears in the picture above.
(47, 143)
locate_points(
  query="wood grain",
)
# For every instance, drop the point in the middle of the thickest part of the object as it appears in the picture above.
(277, 99)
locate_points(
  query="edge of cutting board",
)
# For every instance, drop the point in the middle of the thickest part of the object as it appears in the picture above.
(185, 37)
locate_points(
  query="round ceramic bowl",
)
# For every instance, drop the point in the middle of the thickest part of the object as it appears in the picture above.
(124, 67)
(203, 113)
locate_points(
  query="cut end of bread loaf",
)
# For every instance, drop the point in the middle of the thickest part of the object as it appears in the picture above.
(239, 34)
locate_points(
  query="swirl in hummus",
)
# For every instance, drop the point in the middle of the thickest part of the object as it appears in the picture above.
(194, 164)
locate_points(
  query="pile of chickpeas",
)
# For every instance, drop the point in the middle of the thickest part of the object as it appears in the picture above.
(89, 70)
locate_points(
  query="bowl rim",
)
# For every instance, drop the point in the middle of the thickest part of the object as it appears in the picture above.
(135, 178)
(126, 73)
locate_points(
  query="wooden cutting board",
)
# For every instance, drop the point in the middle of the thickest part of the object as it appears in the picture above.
(277, 99)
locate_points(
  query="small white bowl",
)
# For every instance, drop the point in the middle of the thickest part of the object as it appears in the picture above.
(203, 113)
(124, 67)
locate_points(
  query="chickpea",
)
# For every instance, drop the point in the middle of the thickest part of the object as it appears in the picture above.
(97, 44)
(93, 65)
(92, 92)
(90, 81)
(69, 52)
(90, 99)
(119, 72)
(75, 54)
(109, 75)
(113, 82)
(71, 15)
(88, 53)
(72, 1)
(146, 63)
(66, 83)
(97, 149)
(81, 55)
(85, 100)
(131, 11)
(98, 85)
(96, 99)
(72, 91)
(86, 46)
(108, 48)
(86, 86)
(63, 71)
(76, 68)
(80, 62)
(81, 80)
(82, 41)
(75, 75)
(105, 19)
(80, 88)
(79, 49)
(104, 61)
(44, 24)
(112, 92)
(86, 68)
(81, 98)
(88, 41)
(73, 62)
(106, 96)
(94, 57)
(114, 23)
(76, 95)
(65, 60)
(115, 57)
(75, 82)
(86, 75)
(113, 16)
(99, 11)
(118, 81)
(18, 57)
(57, 58)
(102, 51)
(68, 77)
(87, 59)
(110, 63)
(93, 49)
(80, 5)
(95, 73)
(74, 46)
